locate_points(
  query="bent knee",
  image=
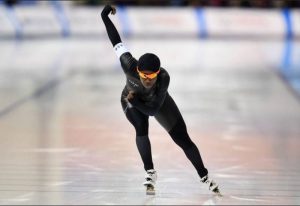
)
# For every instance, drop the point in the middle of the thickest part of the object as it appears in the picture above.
(141, 130)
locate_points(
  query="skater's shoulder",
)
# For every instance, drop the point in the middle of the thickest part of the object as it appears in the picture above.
(164, 75)
(127, 56)
(163, 72)
(128, 62)
(163, 79)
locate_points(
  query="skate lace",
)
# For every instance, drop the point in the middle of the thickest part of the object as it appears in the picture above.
(211, 184)
(151, 175)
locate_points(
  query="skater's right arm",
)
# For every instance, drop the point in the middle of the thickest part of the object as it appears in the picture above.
(127, 61)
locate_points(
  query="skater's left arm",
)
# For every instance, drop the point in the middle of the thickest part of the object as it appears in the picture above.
(128, 62)
(112, 32)
(152, 107)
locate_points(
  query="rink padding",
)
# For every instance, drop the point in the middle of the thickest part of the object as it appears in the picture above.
(59, 19)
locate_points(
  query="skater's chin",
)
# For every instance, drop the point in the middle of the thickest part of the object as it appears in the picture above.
(148, 86)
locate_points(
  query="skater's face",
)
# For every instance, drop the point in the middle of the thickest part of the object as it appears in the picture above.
(148, 78)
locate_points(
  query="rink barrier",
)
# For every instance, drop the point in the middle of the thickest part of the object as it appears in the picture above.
(288, 23)
(10, 25)
(57, 19)
(201, 22)
(62, 18)
(124, 21)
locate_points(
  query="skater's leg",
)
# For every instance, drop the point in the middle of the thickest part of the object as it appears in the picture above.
(141, 125)
(144, 147)
(171, 119)
(181, 138)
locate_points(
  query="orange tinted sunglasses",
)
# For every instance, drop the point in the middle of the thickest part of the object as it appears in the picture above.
(147, 76)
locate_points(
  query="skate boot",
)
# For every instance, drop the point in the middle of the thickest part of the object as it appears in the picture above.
(212, 185)
(150, 182)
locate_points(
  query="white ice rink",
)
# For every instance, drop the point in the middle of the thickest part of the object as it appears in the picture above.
(65, 139)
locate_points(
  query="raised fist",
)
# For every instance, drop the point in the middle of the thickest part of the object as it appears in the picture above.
(108, 9)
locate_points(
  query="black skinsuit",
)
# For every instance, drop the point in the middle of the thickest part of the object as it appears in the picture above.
(152, 102)
(147, 101)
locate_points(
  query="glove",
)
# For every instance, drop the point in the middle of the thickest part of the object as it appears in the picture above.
(108, 9)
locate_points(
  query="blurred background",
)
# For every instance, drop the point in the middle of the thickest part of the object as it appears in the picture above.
(235, 76)
(276, 20)
(217, 3)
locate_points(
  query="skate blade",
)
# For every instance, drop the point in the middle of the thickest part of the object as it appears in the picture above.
(150, 190)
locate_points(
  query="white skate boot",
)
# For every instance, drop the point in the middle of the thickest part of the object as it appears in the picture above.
(150, 177)
(212, 185)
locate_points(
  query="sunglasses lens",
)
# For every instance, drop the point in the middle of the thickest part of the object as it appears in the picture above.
(148, 76)
(143, 75)
(152, 76)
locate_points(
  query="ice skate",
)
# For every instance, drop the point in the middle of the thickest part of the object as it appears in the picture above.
(150, 182)
(212, 185)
